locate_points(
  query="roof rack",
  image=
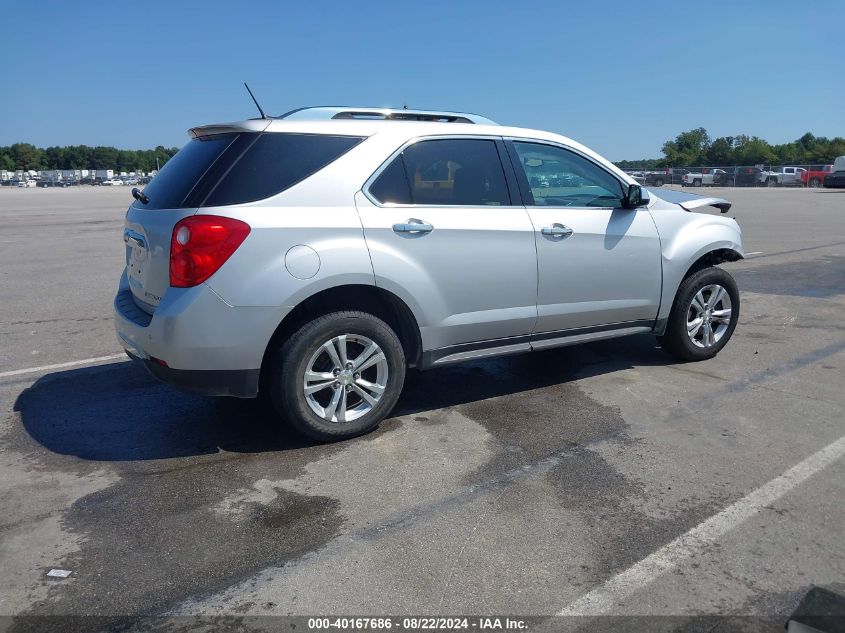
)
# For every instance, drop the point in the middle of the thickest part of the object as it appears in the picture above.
(323, 113)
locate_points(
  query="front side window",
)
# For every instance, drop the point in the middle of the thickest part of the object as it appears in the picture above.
(560, 178)
(452, 172)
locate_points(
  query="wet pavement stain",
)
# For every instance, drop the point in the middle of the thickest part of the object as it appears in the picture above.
(153, 538)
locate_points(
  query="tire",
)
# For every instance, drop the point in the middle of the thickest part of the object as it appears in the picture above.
(658, 182)
(306, 349)
(696, 182)
(772, 182)
(815, 183)
(695, 347)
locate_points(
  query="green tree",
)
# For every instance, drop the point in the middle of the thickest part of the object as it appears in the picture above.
(720, 152)
(688, 148)
(26, 156)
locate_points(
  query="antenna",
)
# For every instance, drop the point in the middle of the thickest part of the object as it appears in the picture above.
(263, 116)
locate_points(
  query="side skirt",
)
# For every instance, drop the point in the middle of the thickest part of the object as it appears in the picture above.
(530, 342)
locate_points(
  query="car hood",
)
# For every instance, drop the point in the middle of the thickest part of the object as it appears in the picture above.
(688, 201)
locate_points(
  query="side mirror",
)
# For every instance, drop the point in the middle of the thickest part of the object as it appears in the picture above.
(635, 197)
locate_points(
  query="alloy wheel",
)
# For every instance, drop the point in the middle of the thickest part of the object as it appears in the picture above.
(708, 316)
(345, 378)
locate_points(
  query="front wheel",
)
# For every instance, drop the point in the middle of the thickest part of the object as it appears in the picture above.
(815, 182)
(703, 316)
(338, 376)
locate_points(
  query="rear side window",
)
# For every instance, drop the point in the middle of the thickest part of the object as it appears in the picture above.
(236, 168)
(275, 162)
(182, 172)
(450, 172)
(392, 185)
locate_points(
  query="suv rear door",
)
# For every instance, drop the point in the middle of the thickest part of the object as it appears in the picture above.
(445, 235)
(599, 265)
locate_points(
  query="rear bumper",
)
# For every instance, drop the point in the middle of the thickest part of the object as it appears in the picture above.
(240, 383)
(196, 341)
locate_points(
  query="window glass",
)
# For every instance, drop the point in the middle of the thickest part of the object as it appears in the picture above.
(460, 172)
(275, 162)
(560, 178)
(392, 184)
(182, 172)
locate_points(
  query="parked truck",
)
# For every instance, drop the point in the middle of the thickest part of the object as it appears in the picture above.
(784, 177)
(815, 175)
(665, 176)
(708, 176)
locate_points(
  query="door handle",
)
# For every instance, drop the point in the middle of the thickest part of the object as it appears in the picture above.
(557, 230)
(131, 237)
(412, 225)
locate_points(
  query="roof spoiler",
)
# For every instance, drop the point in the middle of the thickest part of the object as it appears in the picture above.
(252, 125)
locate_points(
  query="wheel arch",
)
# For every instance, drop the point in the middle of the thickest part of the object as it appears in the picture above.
(713, 258)
(366, 298)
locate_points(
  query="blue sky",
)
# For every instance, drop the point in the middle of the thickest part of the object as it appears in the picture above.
(619, 77)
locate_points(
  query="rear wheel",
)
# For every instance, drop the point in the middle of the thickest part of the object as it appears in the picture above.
(696, 182)
(658, 182)
(338, 376)
(771, 182)
(703, 316)
(815, 182)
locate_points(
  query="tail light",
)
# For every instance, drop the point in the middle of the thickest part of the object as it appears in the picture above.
(200, 245)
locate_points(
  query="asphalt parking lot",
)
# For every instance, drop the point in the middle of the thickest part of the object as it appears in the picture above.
(532, 485)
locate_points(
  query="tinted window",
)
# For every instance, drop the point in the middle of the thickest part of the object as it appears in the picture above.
(560, 178)
(275, 162)
(182, 172)
(392, 184)
(460, 172)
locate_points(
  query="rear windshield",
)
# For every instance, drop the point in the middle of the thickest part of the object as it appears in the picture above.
(236, 168)
(178, 177)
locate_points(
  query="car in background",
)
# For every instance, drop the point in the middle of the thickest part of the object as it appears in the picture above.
(29, 182)
(129, 180)
(667, 176)
(55, 183)
(836, 179)
(784, 177)
(706, 176)
(740, 177)
(814, 177)
(112, 182)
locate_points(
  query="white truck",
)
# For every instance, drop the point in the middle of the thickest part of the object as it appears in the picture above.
(708, 176)
(784, 177)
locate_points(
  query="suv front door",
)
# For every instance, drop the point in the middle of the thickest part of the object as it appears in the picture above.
(599, 264)
(445, 236)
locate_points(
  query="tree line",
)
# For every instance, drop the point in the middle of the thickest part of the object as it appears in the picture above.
(696, 148)
(26, 156)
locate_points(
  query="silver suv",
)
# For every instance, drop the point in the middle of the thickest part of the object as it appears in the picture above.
(313, 257)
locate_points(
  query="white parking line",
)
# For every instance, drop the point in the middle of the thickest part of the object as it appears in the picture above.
(74, 363)
(603, 599)
(754, 253)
